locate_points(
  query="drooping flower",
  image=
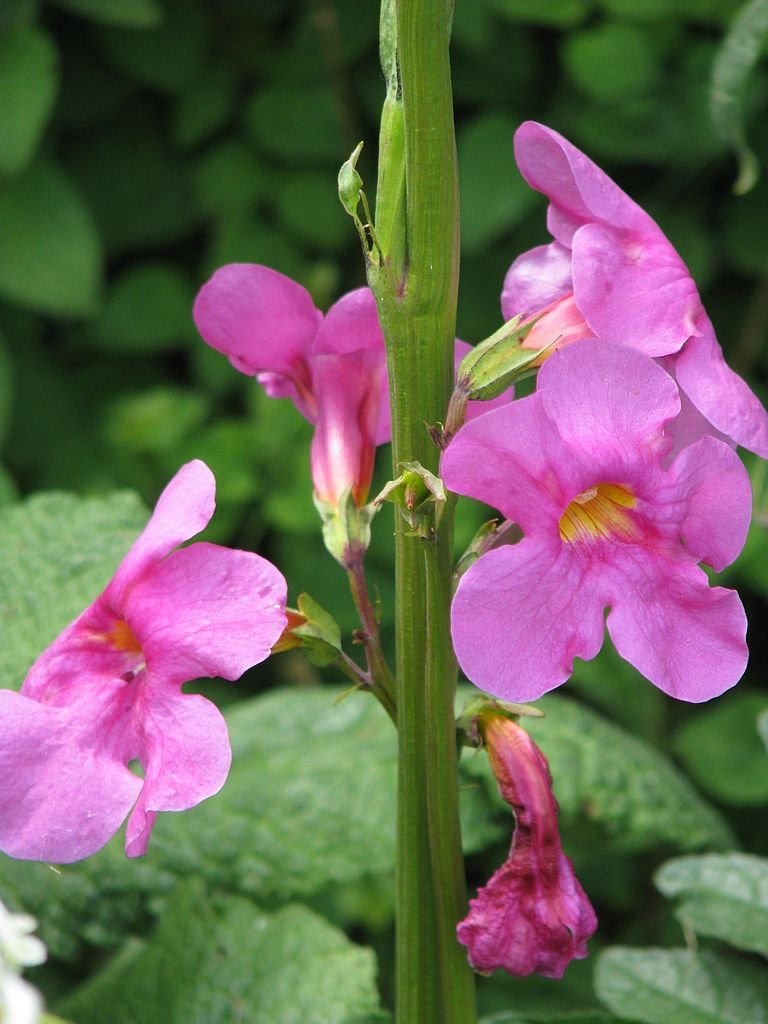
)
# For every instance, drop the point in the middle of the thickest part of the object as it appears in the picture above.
(580, 467)
(108, 690)
(611, 273)
(533, 915)
(333, 367)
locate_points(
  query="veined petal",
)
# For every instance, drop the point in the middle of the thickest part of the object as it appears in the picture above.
(183, 509)
(186, 758)
(261, 319)
(634, 289)
(686, 637)
(579, 192)
(351, 325)
(207, 611)
(64, 791)
(719, 393)
(610, 403)
(513, 459)
(521, 615)
(537, 278)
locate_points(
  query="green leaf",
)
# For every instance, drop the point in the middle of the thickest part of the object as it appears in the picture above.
(735, 60)
(57, 553)
(28, 84)
(213, 963)
(128, 13)
(168, 57)
(148, 309)
(577, 1017)
(558, 13)
(204, 106)
(50, 256)
(725, 896)
(722, 750)
(611, 62)
(676, 986)
(6, 388)
(297, 124)
(155, 420)
(229, 179)
(308, 206)
(494, 196)
(619, 783)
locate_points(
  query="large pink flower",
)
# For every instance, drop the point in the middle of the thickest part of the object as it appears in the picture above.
(533, 915)
(108, 690)
(332, 367)
(611, 273)
(579, 465)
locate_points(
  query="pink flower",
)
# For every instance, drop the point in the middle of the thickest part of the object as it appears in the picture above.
(610, 273)
(533, 915)
(332, 367)
(579, 466)
(108, 689)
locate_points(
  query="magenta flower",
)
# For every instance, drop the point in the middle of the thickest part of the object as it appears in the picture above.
(533, 915)
(610, 273)
(332, 367)
(579, 466)
(108, 690)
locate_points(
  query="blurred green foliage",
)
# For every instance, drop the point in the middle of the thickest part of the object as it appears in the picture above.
(142, 144)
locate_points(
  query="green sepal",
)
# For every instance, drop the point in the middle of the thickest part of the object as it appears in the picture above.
(320, 635)
(346, 527)
(419, 496)
(496, 363)
(481, 707)
(350, 183)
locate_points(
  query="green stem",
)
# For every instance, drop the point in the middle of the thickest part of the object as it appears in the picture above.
(382, 682)
(420, 253)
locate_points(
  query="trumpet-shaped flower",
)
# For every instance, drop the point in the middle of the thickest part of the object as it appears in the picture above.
(332, 367)
(580, 467)
(107, 691)
(533, 915)
(611, 273)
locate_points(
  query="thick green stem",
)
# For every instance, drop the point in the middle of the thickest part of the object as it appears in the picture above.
(416, 292)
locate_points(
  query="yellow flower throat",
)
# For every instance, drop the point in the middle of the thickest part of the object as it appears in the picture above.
(601, 511)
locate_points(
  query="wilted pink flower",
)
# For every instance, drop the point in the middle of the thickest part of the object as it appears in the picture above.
(611, 273)
(533, 915)
(578, 466)
(108, 690)
(332, 367)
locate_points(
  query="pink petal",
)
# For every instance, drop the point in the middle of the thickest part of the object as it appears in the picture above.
(513, 459)
(610, 403)
(536, 279)
(686, 637)
(521, 615)
(719, 393)
(718, 498)
(63, 793)
(634, 289)
(186, 757)
(183, 509)
(207, 611)
(351, 324)
(576, 187)
(260, 319)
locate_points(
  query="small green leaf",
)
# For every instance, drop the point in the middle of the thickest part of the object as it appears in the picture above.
(676, 986)
(204, 106)
(127, 13)
(147, 309)
(214, 963)
(548, 1017)
(50, 256)
(558, 13)
(229, 180)
(735, 61)
(57, 553)
(723, 895)
(28, 84)
(308, 207)
(494, 196)
(611, 62)
(722, 750)
(154, 421)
